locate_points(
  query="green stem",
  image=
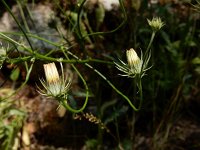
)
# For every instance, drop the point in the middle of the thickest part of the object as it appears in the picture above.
(140, 91)
(79, 17)
(21, 28)
(33, 36)
(114, 88)
(26, 80)
(9, 39)
(64, 102)
(44, 57)
(151, 41)
(22, 15)
(100, 33)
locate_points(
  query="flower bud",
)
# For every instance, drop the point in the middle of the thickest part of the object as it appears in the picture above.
(134, 61)
(51, 73)
(132, 57)
(55, 85)
(156, 23)
(136, 66)
(52, 78)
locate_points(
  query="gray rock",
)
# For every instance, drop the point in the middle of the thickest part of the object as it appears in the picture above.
(39, 20)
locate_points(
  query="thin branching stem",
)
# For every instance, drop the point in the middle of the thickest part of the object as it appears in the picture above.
(21, 28)
(64, 102)
(39, 56)
(109, 83)
(101, 33)
(150, 43)
(29, 70)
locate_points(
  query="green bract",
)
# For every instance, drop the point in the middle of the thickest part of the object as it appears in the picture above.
(156, 23)
(135, 65)
(55, 85)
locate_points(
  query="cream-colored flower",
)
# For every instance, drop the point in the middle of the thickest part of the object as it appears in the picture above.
(55, 85)
(134, 61)
(135, 65)
(51, 73)
(156, 23)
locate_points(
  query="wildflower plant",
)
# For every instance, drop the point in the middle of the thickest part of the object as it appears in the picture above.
(135, 65)
(55, 86)
(134, 68)
(58, 86)
(156, 24)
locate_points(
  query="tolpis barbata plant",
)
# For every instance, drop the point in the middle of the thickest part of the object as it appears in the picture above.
(55, 86)
(135, 66)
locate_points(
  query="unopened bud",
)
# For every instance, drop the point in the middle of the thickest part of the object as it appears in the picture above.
(156, 23)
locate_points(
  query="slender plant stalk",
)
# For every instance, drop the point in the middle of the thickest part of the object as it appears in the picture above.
(65, 104)
(10, 12)
(29, 69)
(39, 56)
(113, 87)
(101, 33)
(140, 91)
(22, 15)
(150, 42)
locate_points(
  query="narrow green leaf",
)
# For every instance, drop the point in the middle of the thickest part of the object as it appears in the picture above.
(15, 74)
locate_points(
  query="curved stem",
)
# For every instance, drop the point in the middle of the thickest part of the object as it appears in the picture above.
(65, 104)
(114, 88)
(100, 33)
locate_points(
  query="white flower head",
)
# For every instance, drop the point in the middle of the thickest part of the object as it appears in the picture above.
(135, 65)
(134, 61)
(55, 85)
